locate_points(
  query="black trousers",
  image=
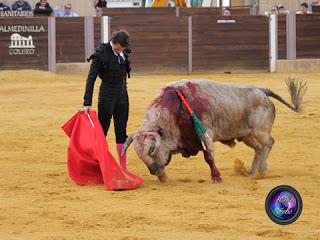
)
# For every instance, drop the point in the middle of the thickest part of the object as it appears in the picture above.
(114, 102)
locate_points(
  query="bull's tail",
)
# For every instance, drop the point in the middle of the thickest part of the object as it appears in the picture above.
(297, 89)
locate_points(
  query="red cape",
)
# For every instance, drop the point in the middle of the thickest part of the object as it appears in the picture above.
(89, 158)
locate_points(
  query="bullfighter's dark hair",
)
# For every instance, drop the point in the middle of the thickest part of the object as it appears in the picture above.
(121, 37)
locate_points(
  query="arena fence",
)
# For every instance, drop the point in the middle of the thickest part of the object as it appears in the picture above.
(282, 37)
(159, 43)
(24, 43)
(162, 42)
(41, 42)
(229, 44)
(298, 36)
(212, 11)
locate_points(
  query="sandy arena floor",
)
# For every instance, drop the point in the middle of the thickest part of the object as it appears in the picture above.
(38, 200)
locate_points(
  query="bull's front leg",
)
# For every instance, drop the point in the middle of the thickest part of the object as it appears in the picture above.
(209, 157)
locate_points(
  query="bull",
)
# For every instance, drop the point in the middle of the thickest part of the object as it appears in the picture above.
(229, 112)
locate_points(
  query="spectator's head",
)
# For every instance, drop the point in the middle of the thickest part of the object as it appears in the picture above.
(226, 12)
(315, 2)
(120, 40)
(43, 3)
(274, 10)
(99, 12)
(304, 8)
(101, 3)
(67, 8)
(280, 9)
(21, 1)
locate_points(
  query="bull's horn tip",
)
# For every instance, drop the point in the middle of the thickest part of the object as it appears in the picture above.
(123, 151)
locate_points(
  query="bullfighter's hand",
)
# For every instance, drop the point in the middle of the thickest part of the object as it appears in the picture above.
(86, 109)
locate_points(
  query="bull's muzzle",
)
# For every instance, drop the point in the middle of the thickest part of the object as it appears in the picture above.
(162, 176)
(154, 168)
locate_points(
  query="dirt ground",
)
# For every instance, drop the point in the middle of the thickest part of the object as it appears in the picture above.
(39, 201)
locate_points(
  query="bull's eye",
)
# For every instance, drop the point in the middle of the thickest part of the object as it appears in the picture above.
(151, 150)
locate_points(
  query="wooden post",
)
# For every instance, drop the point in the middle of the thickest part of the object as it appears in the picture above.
(88, 36)
(52, 44)
(291, 37)
(189, 44)
(253, 10)
(273, 42)
(105, 29)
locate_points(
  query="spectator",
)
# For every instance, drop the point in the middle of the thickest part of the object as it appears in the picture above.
(67, 12)
(281, 10)
(99, 12)
(315, 3)
(4, 7)
(226, 12)
(43, 7)
(304, 9)
(20, 5)
(57, 10)
(196, 3)
(100, 4)
(277, 10)
(274, 10)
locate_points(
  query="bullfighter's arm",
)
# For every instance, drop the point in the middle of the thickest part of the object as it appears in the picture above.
(92, 76)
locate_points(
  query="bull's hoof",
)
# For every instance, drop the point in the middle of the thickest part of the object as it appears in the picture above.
(251, 172)
(260, 175)
(217, 179)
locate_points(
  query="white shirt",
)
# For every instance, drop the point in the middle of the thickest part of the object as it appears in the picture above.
(299, 12)
(115, 53)
(64, 14)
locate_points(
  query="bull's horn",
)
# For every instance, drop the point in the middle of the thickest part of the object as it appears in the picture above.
(158, 142)
(129, 140)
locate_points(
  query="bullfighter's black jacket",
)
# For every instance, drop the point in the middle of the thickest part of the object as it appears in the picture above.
(113, 96)
(106, 64)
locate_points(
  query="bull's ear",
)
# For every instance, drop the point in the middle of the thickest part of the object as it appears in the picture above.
(152, 151)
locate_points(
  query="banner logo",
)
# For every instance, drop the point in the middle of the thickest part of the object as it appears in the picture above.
(283, 205)
(21, 45)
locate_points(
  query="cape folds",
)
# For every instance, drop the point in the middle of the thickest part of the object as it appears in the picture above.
(89, 158)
